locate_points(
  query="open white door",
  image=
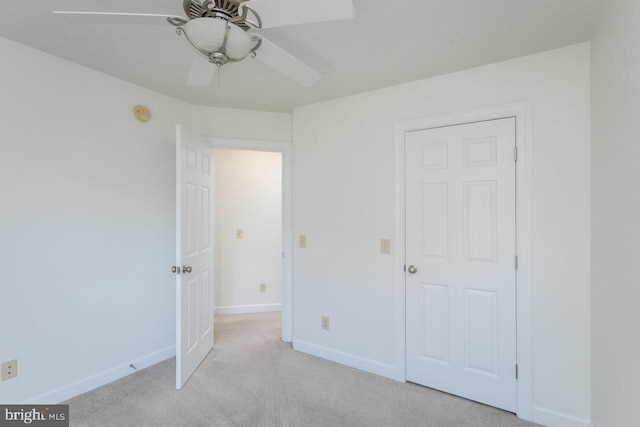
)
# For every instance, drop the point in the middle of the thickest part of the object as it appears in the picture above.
(194, 252)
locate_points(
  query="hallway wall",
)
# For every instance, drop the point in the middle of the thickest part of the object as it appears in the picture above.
(248, 196)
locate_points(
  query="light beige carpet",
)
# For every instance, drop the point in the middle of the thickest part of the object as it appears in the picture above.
(251, 378)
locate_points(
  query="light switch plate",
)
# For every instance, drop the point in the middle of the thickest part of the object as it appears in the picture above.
(239, 233)
(303, 241)
(9, 369)
(385, 246)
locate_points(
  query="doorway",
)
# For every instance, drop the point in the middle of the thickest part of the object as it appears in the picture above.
(195, 242)
(248, 230)
(280, 152)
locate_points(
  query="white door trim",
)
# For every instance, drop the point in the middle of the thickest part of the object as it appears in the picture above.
(522, 113)
(287, 220)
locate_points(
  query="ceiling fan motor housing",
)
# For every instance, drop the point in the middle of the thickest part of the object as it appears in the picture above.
(224, 9)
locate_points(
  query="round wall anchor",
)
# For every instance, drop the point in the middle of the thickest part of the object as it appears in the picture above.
(142, 113)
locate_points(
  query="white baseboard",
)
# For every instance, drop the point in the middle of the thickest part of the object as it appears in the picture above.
(241, 309)
(552, 418)
(367, 365)
(84, 385)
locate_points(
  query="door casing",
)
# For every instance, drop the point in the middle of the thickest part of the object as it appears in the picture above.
(521, 111)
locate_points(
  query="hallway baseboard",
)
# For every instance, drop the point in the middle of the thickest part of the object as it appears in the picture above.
(253, 308)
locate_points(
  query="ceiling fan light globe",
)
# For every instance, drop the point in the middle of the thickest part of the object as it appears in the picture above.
(239, 43)
(207, 34)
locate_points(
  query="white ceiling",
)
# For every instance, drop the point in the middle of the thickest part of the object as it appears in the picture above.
(388, 42)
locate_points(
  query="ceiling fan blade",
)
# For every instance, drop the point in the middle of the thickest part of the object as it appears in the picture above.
(287, 64)
(112, 18)
(201, 72)
(279, 13)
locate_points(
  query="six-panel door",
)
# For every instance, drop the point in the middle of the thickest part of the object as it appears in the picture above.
(194, 329)
(460, 237)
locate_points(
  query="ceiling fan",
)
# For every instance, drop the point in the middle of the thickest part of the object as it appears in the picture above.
(219, 31)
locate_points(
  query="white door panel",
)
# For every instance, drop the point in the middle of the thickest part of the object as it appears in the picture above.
(460, 236)
(194, 316)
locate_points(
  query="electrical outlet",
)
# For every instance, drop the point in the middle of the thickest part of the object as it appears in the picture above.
(325, 323)
(303, 241)
(239, 233)
(385, 246)
(9, 369)
(263, 287)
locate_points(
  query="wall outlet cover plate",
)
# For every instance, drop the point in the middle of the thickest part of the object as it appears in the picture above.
(325, 323)
(9, 369)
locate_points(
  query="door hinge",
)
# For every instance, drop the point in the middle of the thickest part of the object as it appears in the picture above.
(515, 262)
(515, 153)
(405, 268)
(516, 371)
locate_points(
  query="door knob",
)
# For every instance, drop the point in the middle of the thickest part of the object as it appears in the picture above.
(186, 269)
(175, 269)
(412, 269)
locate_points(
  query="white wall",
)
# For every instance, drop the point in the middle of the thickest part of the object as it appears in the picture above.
(615, 273)
(344, 203)
(248, 196)
(79, 176)
(87, 223)
(241, 124)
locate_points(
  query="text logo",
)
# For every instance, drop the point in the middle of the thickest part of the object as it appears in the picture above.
(34, 415)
